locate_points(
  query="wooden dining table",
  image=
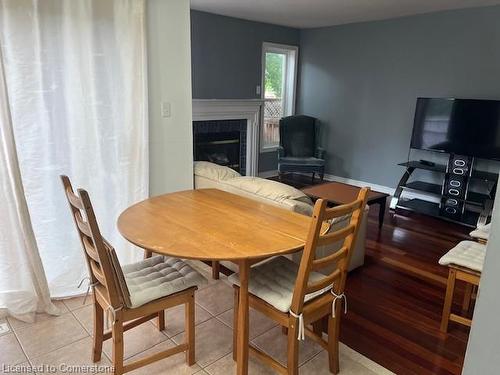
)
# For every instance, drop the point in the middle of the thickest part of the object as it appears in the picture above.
(214, 225)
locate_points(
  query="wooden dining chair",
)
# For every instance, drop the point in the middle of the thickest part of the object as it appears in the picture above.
(132, 294)
(297, 295)
(465, 263)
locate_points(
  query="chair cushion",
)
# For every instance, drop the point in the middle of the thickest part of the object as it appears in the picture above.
(274, 282)
(289, 160)
(468, 254)
(157, 277)
(214, 171)
(482, 232)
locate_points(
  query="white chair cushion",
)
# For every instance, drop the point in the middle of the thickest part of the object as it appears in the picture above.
(468, 254)
(274, 282)
(482, 232)
(157, 277)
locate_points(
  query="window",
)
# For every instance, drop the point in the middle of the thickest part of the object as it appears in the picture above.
(279, 75)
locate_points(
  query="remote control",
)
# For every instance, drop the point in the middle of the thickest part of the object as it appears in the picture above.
(427, 162)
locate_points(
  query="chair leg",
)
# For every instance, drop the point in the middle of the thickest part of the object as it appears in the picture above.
(333, 340)
(235, 320)
(189, 318)
(161, 320)
(293, 348)
(215, 270)
(467, 297)
(318, 327)
(322, 176)
(117, 336)
(312, 180)
(147, 254)
(98, 331)
(450, 288)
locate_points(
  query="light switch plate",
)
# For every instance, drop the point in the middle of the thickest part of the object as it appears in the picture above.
(4, 328)
(257, 90)
(165, 109)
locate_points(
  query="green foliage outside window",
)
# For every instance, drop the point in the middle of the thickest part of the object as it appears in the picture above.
(274, 74)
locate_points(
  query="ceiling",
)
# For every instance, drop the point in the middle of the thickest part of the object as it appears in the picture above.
(319, 13)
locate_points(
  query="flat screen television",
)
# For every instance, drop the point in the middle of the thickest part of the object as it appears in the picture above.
(467, 127)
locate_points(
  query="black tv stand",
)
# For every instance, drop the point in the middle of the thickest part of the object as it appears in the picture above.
(475, 207)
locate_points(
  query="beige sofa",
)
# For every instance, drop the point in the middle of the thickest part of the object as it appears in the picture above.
(209, 175)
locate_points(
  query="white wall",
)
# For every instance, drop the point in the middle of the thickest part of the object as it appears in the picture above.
(169, 80)
(483, 350)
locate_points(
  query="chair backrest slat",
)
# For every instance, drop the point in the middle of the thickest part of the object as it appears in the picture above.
(95, 247)
(340, 259)
(343, 210)
(324, 262)
(89, 248)
(338, 235)
(83, 226)
(97, 272)
(324, 282)
(74, 200)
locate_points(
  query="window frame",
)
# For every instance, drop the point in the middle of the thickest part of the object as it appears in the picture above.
(290, 87)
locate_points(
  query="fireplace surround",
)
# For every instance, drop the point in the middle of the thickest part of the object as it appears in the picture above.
(224, 113)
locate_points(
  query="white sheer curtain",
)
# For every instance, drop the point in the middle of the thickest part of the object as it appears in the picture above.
(76, 79)
(23, 286)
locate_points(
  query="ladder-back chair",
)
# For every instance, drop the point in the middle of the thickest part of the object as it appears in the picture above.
(117, 291)
(297, 295)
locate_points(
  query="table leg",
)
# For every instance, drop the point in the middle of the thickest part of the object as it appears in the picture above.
(381, 212)
(243, 313)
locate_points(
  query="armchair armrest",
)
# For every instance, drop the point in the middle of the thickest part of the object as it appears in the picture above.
(320, 153)
(281, 152)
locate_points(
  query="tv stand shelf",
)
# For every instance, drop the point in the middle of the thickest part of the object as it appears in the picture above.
(477, 205)
(441, 168)
(469, 218)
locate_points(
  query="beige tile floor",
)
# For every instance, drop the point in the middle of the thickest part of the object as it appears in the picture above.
(66, 340)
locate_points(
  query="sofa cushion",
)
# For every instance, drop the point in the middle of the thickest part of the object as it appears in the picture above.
(273, 190)
(214, 171)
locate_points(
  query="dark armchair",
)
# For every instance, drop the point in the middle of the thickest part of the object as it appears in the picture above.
(298, 151)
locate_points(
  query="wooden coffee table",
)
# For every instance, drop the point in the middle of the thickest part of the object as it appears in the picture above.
(340, 193)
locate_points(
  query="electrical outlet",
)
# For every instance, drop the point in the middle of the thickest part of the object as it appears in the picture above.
(257, 90)
(4, 328)
(165, 109)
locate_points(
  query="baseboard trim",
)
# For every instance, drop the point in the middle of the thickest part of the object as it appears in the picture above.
(350, 181)
(381, 188)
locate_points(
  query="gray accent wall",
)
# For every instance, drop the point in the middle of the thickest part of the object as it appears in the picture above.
(362, 81)
(226, 54)
(226, 59)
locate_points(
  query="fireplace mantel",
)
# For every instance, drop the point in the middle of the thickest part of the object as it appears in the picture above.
(232, 109)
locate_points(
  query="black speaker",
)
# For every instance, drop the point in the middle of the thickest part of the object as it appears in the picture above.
(455, 186)
(451, 207)
(459, 165)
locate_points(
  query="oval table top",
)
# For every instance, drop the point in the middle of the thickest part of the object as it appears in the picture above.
(211, 224)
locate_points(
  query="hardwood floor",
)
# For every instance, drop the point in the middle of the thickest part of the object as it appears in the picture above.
(395, 300)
